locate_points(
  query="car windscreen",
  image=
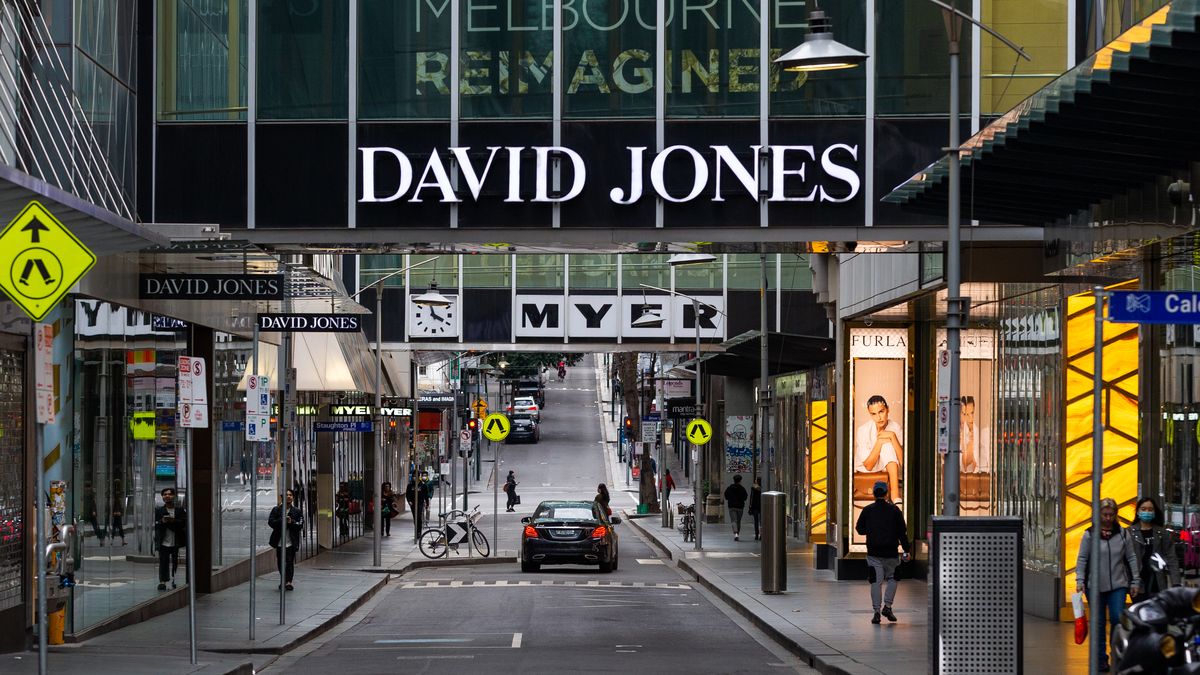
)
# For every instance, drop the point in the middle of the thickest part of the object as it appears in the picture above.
(566, 512)
(524, 401)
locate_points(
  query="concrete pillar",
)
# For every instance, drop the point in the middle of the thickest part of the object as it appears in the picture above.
(326, 485)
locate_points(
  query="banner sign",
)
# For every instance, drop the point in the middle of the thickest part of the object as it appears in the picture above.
(310, 323)
(210, 286)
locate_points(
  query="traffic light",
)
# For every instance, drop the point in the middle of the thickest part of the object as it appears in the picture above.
(628, 424)
(473, 424)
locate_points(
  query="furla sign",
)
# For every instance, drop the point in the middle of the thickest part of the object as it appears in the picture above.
(611, 316)
(680, 173)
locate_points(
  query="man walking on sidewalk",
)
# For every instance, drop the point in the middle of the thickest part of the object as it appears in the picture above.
(735, 499)
(883, 525)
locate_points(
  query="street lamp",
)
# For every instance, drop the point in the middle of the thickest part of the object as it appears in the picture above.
(432, 297)
(690, 259)
(377, 521)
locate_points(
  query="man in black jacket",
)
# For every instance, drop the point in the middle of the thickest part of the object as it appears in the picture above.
(295, 521)
(883, 524)
(735, 499)
(170, 535)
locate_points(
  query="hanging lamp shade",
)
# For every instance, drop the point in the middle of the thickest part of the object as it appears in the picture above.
(820, 51)
(432, 297)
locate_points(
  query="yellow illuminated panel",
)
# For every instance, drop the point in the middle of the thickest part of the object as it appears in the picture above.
(818, 469)
(1119, 401)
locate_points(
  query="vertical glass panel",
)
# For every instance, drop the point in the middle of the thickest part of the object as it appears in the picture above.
(444, 271)
(540, 270)
(745, 271)
(608, 59)
(912, 62)
(302, 59)
(487, 271)
(794, 273)
(404, 59)
(828, 93)
(12, 479)
(593, 270)
(1041, 30)
(104, 32)
(700, 276)
(712, 59)
(645, 268)
(202, 59)
(507, 59)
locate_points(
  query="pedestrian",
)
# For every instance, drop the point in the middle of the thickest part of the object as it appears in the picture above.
(670, 484)
(290, 530)
(118, 512)
(170, 535)
(510, 489)
(756, 504)
(388, 501)
(735, 499)
(90, 513)
(244, 467)
(425, 494)
(603, 498)
(882, 523)
(1154, 546)
(341, 509)
(1118, 573)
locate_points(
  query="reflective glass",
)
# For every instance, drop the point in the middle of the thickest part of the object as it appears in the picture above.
(593, 270)
(404, 59)
(507, 59)
(202, 59)
(1040, 29)
(540, 270)
(827, 93)
(302, 57)
(608, 59)
(644, 268)
(745, 270)
(794, 273)
(487, 271)
(912, 62)
(712, 59)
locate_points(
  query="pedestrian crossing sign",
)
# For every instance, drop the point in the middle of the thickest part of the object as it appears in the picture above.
(40, 260)
(496, 427)
(699, 431)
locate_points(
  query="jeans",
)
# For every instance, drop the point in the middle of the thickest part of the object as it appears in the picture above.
(1114, 602)
(735, 517)
(168, 562)
(387, 525)
(291, 562)
(757, 517)
(884, 570)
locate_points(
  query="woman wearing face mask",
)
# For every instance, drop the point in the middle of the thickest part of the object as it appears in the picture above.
(1155, 548)
(1117, 571)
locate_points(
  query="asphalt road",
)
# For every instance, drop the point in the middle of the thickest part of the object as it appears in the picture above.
(644, 617)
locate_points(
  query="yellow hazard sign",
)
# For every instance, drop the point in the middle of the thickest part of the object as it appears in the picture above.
(142, 425)
(480, 407)
(40, 260)
(496, 427)
(699, 431)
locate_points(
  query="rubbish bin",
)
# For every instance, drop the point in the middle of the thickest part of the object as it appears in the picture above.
(56, 623)
(773, 553)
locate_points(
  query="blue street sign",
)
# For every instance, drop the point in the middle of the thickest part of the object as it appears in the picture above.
(232, 425)
(342, 426)
(1181, 307)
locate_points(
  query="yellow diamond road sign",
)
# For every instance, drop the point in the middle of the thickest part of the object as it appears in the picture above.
(699, 431)
(480, 407)
(496, 427)
(40, 260)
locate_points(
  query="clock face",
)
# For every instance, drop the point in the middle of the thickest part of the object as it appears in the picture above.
(426, 321)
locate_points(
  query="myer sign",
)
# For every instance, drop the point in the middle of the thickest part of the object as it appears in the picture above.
(817, 174)
(609, 316)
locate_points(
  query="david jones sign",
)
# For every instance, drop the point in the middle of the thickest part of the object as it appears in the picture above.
(827, 174)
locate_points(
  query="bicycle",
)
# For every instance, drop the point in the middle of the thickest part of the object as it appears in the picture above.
(435, 542)
(688, 526)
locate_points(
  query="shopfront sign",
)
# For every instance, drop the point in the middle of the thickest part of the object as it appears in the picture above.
(830, 172)
(210, 286)
(1154, 307)
(610, 316)
(367, 410)
(310, 323)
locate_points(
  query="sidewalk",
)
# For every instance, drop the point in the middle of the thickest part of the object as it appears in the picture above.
(827, 622)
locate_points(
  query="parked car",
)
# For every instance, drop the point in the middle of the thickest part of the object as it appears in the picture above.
(525, 404)
(569, 533)
(525, 427)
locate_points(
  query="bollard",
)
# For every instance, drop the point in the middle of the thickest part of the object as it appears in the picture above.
(774, 543)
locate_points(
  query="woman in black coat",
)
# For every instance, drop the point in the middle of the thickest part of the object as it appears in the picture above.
(1155, 548)
(295, 522)
(756, 504)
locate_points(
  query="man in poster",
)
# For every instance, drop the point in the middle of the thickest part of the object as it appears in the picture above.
(878, 446)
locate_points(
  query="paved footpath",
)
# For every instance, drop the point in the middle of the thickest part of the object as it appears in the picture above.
(828, 622)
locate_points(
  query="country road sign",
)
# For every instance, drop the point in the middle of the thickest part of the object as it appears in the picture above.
(699, 431)
(40, 260)
(480, 407)
(456, 533)
(496, 427)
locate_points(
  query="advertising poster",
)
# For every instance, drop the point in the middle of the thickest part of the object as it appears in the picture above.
(739, 444)
(977, 386)
(879, 389)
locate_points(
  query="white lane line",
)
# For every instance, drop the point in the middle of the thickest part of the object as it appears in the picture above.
(516, 643)
(619, 646)
(432, 656)
(649, 561)
(415, 641)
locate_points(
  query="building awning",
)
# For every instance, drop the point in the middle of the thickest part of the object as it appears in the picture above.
(102, 231)
(1116, 122)
(786, 353)
(332, 362)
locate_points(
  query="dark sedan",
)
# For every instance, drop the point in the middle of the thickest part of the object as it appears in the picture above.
(569, 533)
(525, 427)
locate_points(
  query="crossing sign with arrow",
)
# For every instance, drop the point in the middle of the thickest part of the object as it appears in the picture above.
(40, 260)
(699, 431)
(496, 427)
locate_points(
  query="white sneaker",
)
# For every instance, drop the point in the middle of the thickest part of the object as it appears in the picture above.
(735, 536)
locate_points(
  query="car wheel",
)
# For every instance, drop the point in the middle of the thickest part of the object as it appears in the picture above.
(530, 566)
(606, 567)
(615, 562)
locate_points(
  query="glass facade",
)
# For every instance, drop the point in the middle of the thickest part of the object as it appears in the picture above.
(202, 59)
(302, 59)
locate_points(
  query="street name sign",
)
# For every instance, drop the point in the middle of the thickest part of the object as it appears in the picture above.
(353, 427)
(40, 260)
(1166, 307)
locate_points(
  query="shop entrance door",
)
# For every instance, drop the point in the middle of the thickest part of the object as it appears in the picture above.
(14, 550)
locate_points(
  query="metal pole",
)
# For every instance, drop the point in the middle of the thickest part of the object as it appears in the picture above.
(191, 552)
(377, 520)
(698, 449)
(662, 457)
(39, 543)
(1097, 619)
(954, 304)
(764, 410)
(495, 496)
(285, 348)
(253, 494)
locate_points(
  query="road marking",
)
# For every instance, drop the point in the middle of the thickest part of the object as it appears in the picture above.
(619, 646)
(650, 561)
(416, 641)
(516, 643)
(435, 656)
(503, 583)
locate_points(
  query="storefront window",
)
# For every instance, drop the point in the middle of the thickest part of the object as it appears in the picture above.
(745, 270)
(12, 479)
(302, 59)
(404, 60)
(202, 59)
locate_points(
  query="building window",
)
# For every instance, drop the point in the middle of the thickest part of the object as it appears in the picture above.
(302, 59)
(202, 49)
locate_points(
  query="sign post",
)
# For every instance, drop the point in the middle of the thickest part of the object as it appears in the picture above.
(193, 413)
(252, 437)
